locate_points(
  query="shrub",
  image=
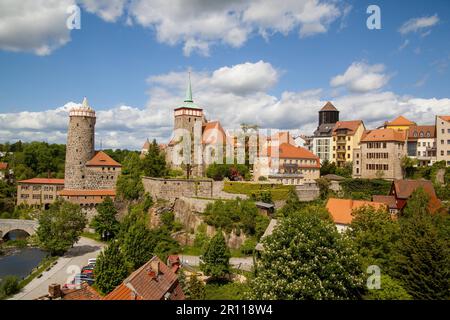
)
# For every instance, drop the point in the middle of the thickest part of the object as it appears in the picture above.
(9, 286)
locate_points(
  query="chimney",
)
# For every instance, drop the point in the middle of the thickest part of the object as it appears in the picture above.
(155, 266)
(54, 291)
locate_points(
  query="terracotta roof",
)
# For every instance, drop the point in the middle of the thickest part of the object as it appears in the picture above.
(87, 192)
(328, 107)
(102, 159)
(86, 292)
(282, 137)
(445, 118)
(287, 150)
(404, 189)
(415, 132)
(383, 135)
(213, 133)
(146, 145)
(42, 181)
(400, 121)
(147, 283)
(341, 209)
(351, 126)
(3, 165)
(388, 200)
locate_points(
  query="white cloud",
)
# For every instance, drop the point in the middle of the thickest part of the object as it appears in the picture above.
(37, 26)
(361, 77)
(128, 127)
(108, 10)
(418, 24)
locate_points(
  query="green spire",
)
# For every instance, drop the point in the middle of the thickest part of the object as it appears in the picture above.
(189, 91)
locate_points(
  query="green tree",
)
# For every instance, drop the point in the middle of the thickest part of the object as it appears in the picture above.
(390, 289)
(422, 261)
(195, 288)
(327, 167)
(375, 235)
(60, 226)
(292, 204)
(129, 184)
(154, 163)
(307, 258)
(9, 286)
(110, 268)
(324, 187)
(408, 166)
(138, 244)
(105, 222)
(216, 256)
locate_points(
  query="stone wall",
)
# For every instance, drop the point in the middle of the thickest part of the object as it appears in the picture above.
(307, 192)
(96, 178)
(170, 189)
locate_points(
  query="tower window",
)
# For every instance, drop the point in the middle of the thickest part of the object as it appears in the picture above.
(78, 124)
(82, 177)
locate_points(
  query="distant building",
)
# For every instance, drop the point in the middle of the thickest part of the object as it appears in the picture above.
(422, 144)
(401, 191)
(399, 123)
(38, 191)
(153, 281)
(346, 137)
(89, 175)
(341, 210)
(287, 164)
(443, 139)
(321, 141)
(379, 154)
(3, 170)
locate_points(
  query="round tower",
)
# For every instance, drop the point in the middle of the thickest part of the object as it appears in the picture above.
(80, 146)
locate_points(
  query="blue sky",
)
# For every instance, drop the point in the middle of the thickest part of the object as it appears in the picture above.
(130, 58)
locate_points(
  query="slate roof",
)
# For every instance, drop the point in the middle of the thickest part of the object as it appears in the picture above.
(328, 107)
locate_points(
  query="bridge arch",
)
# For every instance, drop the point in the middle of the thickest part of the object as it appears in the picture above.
(7, 225)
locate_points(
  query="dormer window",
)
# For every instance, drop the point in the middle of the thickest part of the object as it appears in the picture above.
(421, 134)
(415, 134)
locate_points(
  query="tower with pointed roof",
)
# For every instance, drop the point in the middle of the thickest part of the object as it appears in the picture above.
(328, 114)
(80, 146)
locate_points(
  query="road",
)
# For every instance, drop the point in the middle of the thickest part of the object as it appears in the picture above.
(245, 263)
(64, 270)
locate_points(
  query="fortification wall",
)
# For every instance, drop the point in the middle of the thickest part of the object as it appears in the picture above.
(170, 189)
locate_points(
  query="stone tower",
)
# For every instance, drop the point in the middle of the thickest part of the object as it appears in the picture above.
(80, 146)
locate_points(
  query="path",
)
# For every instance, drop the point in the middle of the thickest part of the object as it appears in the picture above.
(64, 270)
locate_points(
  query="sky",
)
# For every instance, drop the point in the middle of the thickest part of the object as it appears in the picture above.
(266, 62)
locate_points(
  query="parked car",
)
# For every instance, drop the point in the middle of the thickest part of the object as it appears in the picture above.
(78, 280)
(92, 261)
(87, 269)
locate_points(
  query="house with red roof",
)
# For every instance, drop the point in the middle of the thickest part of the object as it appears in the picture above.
(153, 281)
(287, 164)
(40, 192)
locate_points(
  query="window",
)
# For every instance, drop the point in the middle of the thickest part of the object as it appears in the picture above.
(348, 147)
(415, 134)
(442, 141)
(384, 145)
(348, 155)
(428, 134)
(421, 134)
(357, 170)
(443, 130)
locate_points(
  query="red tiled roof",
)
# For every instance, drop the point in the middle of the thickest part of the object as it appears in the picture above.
(328, 107)
(388, 200)
(42, 181)
(86, 292)
(147, 284)
(289, 151)
(213, 133)
(445, 118)
(341, 209)
(404, 189)
(351, 126)
(102, 159)
(400, 121)
(87, 192)
(383, 135)
(3, 165)
(426, 131)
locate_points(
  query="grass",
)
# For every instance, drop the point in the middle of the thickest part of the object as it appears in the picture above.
(224, 290)
(93, 236)
(278, 191)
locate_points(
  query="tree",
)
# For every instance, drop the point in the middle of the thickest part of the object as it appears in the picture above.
(195, 289)
(390, 289)
(138, 244)
(327, 167)
(60, 226)
(105, 222)
(216, 256)
(307, 258)
(9, 286)
(292, 203)
(110, 268)
(154, 163)
(324, 187)
(422, 260)
(408, 166)
(129, 184)
(375, 235)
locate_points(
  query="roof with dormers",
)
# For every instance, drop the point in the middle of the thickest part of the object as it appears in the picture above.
(417, 132)
(102, 159)
(352, 126)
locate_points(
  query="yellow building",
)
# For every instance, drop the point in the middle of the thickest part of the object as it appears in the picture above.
(399, 123)
(346, 137)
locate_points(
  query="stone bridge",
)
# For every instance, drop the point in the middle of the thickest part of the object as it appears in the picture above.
(7, 225)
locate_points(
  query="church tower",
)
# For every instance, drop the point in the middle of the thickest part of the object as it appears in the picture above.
(328, 114)
(80, 146)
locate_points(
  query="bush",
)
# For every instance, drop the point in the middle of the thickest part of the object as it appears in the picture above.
(278, 191)
(9, 286)
(364, 188)
(262, 178)
(248, 246)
